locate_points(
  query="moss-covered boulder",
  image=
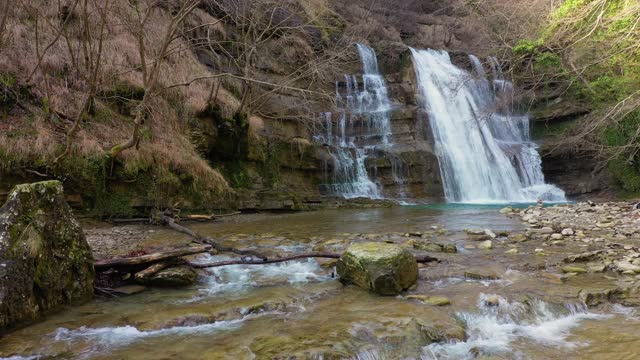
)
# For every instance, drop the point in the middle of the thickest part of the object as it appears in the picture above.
(385, 269)
(45, 261)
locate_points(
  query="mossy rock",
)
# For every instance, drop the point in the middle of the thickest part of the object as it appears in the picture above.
(385, 269)
(173, 277)
(45, 261)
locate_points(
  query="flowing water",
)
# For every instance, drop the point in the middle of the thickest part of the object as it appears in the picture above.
(361, 126)
(300, 309)
(484, 149)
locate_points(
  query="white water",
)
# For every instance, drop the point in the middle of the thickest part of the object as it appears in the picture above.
(485, 151)
(361, 126)
(114, 337)
(235, 278)
(494, 329)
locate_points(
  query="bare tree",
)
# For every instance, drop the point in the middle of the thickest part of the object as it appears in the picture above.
(151, 68)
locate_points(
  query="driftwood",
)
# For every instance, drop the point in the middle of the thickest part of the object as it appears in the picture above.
(145, 274)
(419, 259)
(197, 238)
(186, 218)
(151, 258)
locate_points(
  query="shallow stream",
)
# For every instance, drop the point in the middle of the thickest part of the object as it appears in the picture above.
(300, 309)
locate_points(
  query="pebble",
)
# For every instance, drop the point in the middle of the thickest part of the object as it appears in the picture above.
(486, 245)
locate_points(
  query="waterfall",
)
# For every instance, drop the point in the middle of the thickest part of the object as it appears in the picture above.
(361, 126)
(484, 150)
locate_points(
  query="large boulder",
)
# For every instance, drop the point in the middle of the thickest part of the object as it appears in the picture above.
(45, 261)
(385, 269)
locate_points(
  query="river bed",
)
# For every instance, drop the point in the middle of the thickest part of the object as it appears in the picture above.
(514, 306)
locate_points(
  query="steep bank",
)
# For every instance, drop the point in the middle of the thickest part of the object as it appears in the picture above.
(580, 76)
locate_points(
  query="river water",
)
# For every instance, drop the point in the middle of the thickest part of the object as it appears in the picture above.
(300, 310)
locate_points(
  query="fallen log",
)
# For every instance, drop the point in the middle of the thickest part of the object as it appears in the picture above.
(151, 258)
(197, 238)
(142, 276)
(419, 259)
(131, 221)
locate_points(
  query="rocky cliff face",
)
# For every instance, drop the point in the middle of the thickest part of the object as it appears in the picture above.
(45, 261)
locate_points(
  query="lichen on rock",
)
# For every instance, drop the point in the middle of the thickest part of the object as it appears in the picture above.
(385, 269)
(45, 261)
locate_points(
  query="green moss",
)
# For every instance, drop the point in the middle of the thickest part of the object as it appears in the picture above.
(527, 46)
(547, 62)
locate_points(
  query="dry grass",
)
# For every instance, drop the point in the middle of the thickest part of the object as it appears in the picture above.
(33, 140)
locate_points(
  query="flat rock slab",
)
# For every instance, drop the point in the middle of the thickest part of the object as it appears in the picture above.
(385, 269)
(173, 277)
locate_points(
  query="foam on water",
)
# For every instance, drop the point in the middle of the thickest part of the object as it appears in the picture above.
(109, 338)
(240, 277)
(493, 329)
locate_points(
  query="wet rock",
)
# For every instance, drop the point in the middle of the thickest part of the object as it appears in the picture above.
(583, 257)
(486, 245)
(493, 300)
(440, 331)
(129, 289)
(506, 210)
(481, 275)
(519, 237)
(574, 269)
(430, 300)
(556, 236)
(426, 246)
(385, 269)
(490, 233)
(45, 260)
(511, 251)
(567, 232)
(173, 277)
(625, 266)
(450, 248)
(545, 230)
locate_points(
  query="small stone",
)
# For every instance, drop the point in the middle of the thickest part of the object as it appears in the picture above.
(490, 233)
(430, 300)
(519, 237)
(574, 269)
(567, 232)
(604, 224)
(511, 251)
(556, 236)
(493, 300)
(506, 210)
(481, 276)
(486, 245)
(546, 230)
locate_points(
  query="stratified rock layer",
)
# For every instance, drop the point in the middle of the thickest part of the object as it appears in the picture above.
(45, 261)
(385, 269)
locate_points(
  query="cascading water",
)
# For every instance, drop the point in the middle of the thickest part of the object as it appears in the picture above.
(361, 126)
(484, 150)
